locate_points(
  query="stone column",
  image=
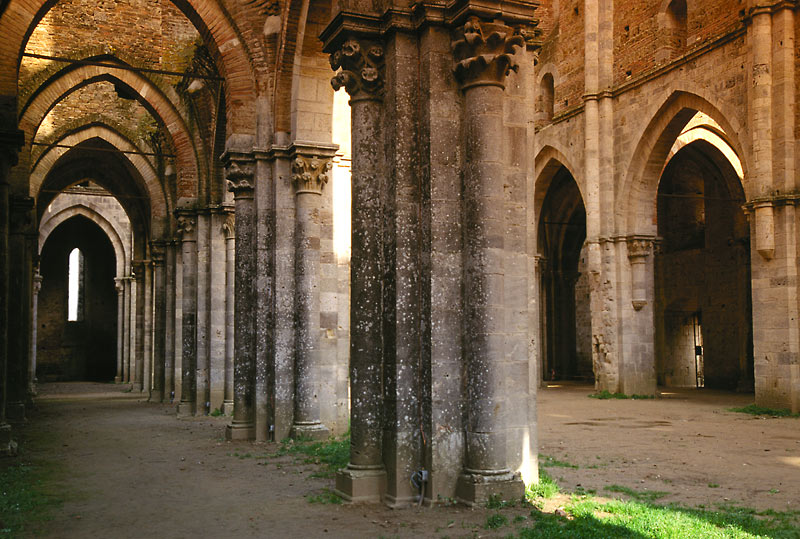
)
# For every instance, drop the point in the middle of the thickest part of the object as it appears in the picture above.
(10, 142)
(240, 168)
(169, 331)
(158, 253)
(187, 227)
(129, 329)
(119, 284)
(362, 65)
(229, 229)
(203, 371)
(37, 286)
(137, 374)
(484, 57)
(309, 174)
(147, 371)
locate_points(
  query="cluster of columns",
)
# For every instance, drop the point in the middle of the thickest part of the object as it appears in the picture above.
(442, 375)
(276, 373)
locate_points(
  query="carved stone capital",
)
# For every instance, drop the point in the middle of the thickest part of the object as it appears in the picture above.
(119, 284)
(187, 227)
(361, 65)
(37, 282)
(310, 173)
(484, 53)
(240, 174)
(229, 226)
(639, 248)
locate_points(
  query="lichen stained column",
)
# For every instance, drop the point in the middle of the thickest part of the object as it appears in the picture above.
(169, 331)
(187, 227)
(119, 285)
(229, 229)
(240, 170)
(484, 56)
(158, 254)
(362, 62)
(37, 286)
(137, 374)
(309, 174)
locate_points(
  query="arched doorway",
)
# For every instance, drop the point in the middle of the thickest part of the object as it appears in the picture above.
(565, 310)
(77, 314)
(702, 272)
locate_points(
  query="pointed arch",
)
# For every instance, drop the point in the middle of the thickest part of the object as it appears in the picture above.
(636, 204)
(48, 225)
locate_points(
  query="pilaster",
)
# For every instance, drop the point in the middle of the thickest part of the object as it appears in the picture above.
(158, 255)
(119, 286)
(229, 230)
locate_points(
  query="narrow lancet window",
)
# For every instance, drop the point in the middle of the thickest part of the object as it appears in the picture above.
(75, 286)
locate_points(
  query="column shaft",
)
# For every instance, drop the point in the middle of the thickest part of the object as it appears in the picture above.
(203, 310)
(307, 327)
(243, 424)
(188, 402)
(37, 286)
(230, 271)
(169, 331)
(159, 327)
(120, 286)
(129, 329)
(147, 371)
(138, 359)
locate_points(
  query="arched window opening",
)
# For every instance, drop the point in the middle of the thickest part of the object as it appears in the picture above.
(75, 299)
(673, 27)
(546, 99)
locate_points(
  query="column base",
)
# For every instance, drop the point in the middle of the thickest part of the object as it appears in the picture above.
(239, 432)
(137, 387)
(8, 447)
(15, 412)
(313, 431)
(156, 398)
(227, 408)
(477, 489)
(361, 485)
(118, 379)
(186, 409)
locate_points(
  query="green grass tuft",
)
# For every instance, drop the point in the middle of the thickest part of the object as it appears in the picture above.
(641, 496)
(636, 519)
(545, 488)
(605, 394)
(216, 413)
(327, 496)
(753, 409)
(25, 502)
(495, 521)
(547, 461)
(333, 453)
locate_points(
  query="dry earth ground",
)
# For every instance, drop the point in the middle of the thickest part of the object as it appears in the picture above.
(127, 468)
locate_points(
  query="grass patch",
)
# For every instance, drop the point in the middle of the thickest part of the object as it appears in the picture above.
(606, 394)
(588, 517)
(327, 496)
(495, 521)
(752, 409)
(333, 453)
(547, 461)
(648, 496)
(496, 502)
(216, 413)
(25, 501)
(545, 488)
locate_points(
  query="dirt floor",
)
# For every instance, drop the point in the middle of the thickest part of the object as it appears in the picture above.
(127, 468)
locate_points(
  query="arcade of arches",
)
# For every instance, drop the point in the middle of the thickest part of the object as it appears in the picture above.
(514, 192)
